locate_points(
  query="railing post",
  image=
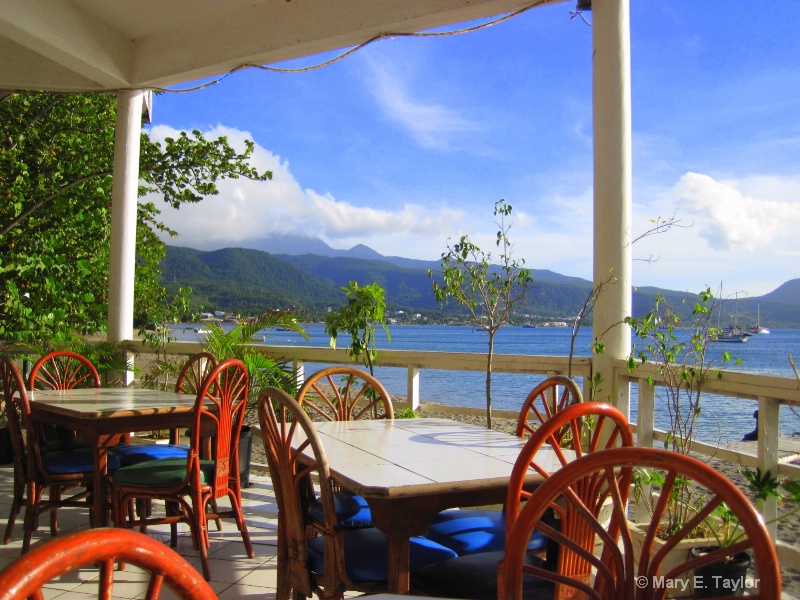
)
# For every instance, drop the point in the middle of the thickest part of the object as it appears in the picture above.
(645, 414)
(645, 422)
(768, 436)
(413, 387)
(299, 367)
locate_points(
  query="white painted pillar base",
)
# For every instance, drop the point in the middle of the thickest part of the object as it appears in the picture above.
(612, 188)
(122, 263)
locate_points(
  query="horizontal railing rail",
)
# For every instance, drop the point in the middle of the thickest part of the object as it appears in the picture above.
(414, 361)
(768, 393)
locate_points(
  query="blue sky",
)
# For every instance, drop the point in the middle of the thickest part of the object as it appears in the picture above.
(409, 142)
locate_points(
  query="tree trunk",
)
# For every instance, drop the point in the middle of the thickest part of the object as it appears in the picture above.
(489, 380)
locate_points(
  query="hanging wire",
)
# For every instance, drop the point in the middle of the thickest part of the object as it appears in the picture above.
(354, 49)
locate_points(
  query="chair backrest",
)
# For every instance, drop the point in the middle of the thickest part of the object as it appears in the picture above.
(545, 400)
(220, 402)
(345, 394)
(194, 372)
(63, 370)
(287, 432)
(597, 426)
(15, 398)
(26, 576)
(618, 575)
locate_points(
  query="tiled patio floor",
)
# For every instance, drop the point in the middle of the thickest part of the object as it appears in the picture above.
(233, 575)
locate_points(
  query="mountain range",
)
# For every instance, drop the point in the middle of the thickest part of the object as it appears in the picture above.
(306, 274)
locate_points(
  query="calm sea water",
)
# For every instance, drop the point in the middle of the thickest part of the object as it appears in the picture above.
(722, 419)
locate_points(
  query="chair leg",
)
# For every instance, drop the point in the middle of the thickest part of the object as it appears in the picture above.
(284, 590)
(55, 498)
(199, 525)
(16, 505)
(239, 516)
(31, 522)
(215, 510)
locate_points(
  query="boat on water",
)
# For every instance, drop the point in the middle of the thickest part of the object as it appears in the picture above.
(758, 328)
(732, 334)
(731, 337)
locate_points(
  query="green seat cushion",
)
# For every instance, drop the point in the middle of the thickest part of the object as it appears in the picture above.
(154, 474)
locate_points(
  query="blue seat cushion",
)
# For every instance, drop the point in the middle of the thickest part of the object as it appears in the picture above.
(474, 577)
(365, 552)
(78, 460)
(168, 472)
(475, 531)
(351, 510)
(132, 454)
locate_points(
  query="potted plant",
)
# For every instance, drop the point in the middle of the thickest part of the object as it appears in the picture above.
(678, 348)
(726, 577)
(262, 370)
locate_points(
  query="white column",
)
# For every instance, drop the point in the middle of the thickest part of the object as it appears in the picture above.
(612, 185)
(123, 216)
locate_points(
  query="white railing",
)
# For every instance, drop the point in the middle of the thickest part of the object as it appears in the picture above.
(416, 361)
(770, 392)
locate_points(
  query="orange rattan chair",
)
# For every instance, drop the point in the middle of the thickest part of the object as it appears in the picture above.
(474, 575)
(220, 405)
(345, 394)
(319, 556)
(101, 549)
(545, 400)
(190, 380)
(62, 370)
(603, 478)
(59, 471)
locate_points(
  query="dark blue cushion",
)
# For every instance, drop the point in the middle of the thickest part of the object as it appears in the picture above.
(475, 531)
(133, 454)
(165, 473)
(474, 577)
(351, 510)
(365, 554)
(78, 460)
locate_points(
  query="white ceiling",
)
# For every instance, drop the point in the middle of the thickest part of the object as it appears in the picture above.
(96, 45)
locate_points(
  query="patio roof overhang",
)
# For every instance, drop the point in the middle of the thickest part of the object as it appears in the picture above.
(129, 47)
(101, 45)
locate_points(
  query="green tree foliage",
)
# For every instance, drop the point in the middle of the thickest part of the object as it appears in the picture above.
(56, 164)
(489, 292)
(364, 310)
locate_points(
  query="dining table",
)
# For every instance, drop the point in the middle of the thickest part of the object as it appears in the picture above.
(103, 415)
(408, 470)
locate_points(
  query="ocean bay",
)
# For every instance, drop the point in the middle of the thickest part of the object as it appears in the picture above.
(722, 420)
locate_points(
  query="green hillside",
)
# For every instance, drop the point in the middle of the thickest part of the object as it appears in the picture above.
(247, 281)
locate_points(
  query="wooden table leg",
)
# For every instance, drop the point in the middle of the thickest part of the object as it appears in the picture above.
(400, 520)
(398, 555)
(100, 508)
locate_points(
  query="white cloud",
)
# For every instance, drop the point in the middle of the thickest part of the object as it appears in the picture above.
(247, 210)
(430, 124)
(730, 219)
